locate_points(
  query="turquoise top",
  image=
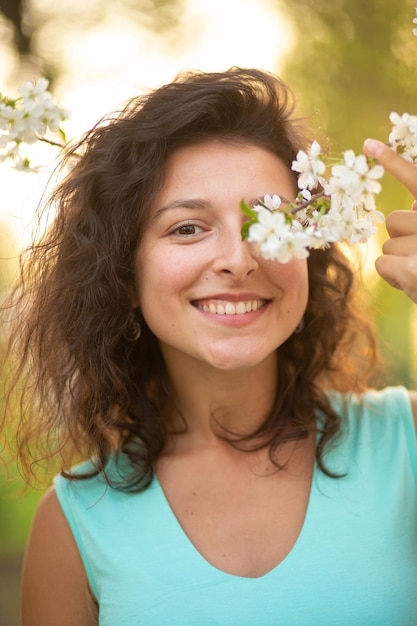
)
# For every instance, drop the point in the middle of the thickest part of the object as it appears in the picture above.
(354, 562)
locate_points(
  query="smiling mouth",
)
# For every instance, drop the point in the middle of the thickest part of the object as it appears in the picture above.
(225, 307)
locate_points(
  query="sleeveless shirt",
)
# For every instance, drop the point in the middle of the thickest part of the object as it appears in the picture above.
(354, 562)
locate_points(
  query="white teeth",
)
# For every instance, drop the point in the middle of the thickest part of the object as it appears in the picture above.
(231, 308)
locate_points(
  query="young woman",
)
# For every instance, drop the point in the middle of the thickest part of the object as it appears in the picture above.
(236, 469)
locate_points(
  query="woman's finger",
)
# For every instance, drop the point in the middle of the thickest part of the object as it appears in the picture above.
(401, 246)
(402, 170)
(402, 223)
(398, 264)
(400, 272)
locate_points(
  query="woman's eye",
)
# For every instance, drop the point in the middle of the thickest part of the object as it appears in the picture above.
(187, 230)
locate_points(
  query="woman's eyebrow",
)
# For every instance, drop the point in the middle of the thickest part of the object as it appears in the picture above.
(200, 203)
(190, 203)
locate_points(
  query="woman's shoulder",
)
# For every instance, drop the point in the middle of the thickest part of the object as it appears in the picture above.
(377, 432)
(377, 426)
(392, 403)
(91, 477)
(91, 494)
(376, 412)
(53, 575)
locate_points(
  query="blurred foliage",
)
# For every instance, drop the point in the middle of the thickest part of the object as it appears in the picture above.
(17, 504)
(17, 507)
(36, 24)
(353, 63)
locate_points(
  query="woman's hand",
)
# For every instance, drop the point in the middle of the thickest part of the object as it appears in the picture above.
(398, 265)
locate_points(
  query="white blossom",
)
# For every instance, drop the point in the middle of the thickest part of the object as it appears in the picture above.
(293, 246)
(267, 230)
(404, 128)
(362, 229)
(271, 202)
(309, 166)
(354, 183)
(415, 22)
(276, 237)
(403, 136)
(34, 93)
(335, 225)
(27, 119)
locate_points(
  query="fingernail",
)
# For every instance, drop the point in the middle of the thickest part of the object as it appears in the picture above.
(374, 147)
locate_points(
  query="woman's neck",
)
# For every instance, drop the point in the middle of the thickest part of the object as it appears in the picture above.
(237, 400)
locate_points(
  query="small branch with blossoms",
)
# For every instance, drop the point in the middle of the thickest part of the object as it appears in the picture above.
(26, 120)
(330, 207)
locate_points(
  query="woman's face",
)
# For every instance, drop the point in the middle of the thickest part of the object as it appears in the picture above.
(205, 294)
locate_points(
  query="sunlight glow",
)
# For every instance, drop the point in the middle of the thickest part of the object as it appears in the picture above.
(116, 58)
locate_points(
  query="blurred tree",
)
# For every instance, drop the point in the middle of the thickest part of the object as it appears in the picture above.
(13, 11)
(353, 63)
(33, 19)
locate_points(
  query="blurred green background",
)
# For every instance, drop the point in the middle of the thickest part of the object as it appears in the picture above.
(350, 63)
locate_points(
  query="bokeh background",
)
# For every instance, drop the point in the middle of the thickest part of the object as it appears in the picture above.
(350, 63)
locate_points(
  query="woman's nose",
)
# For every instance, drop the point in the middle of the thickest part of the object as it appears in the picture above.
(234, 256)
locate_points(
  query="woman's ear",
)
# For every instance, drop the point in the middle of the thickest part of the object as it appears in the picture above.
(134, 330)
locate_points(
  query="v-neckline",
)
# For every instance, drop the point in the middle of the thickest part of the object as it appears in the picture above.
(183, 540)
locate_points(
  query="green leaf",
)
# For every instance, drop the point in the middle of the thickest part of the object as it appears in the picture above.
(247, 210)
(245, 228)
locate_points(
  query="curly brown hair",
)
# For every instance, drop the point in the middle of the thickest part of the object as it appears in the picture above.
(85, 387)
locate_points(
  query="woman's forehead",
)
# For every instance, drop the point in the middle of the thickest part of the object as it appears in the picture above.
(219, 163)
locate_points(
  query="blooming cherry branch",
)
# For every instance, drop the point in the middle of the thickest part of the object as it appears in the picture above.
(329, 208)
(341, 207)
(26, 120)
